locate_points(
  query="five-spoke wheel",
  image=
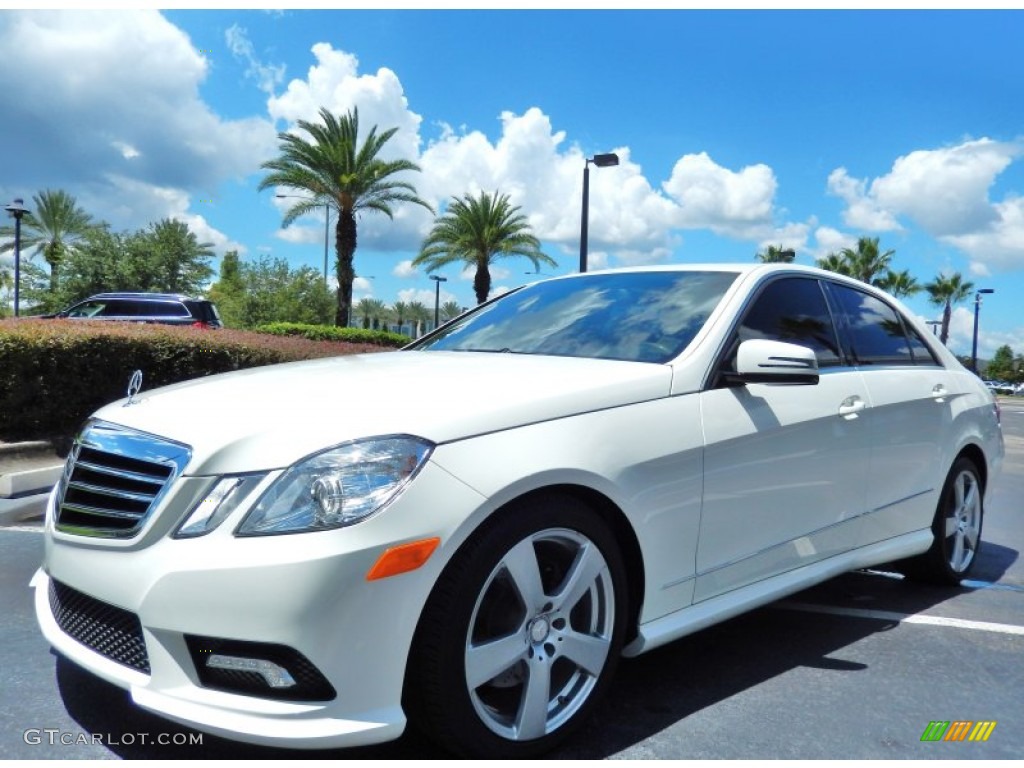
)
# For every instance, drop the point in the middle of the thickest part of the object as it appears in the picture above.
(538, 601)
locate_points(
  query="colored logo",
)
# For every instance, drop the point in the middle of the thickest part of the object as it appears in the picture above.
(958, 730)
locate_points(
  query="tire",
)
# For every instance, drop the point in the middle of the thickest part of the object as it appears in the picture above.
(521, 634)
(956, 528)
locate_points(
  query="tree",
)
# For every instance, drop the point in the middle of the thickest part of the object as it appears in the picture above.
(176, 261)
(478, 231)
(6, 286)
(834, 262)
(899, 284)
(1002, 367)
(865, 262)
(775, 254)
(420, 316)
(450, 310)
(275, 293)
(228, 293)
(945, 292)
(401, 312)
(54, 228)
(337, 171)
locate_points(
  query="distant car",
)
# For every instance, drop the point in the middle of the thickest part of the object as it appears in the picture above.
(469, 532)
(163, 308)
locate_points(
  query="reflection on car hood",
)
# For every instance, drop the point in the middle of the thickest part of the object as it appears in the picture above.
(264, 418)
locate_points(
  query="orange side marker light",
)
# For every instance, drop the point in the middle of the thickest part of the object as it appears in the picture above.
(403, 558)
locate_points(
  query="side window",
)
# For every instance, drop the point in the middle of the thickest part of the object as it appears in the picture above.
(877, 334)
(86, 309)
(164, 309)
(793, 310)
(118, 308)
(923, 354)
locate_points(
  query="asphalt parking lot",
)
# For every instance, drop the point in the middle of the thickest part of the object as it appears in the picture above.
(857, 668)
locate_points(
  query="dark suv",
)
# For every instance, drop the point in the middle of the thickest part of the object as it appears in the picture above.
(166, 308)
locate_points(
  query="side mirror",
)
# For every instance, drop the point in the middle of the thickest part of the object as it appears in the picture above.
(764, 361)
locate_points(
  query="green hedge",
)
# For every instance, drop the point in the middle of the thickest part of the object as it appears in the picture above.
(334, 333)
(54, 373)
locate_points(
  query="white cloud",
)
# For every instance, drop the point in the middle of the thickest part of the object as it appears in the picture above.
(140, 144)
(946, 192)
(829, 240)
(727, 202)
(405, 269)
(267, 76)
(862, 210)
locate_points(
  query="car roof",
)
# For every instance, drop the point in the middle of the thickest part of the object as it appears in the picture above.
(142, 295)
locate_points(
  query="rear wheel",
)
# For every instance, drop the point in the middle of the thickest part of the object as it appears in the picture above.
(956, 527)
(521, 634)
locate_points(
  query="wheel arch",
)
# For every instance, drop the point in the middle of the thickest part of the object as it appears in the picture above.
(977, 456)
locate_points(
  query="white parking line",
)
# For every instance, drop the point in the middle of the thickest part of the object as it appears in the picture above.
(905, 618)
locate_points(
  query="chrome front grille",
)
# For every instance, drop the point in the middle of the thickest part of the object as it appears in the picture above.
(113, 480)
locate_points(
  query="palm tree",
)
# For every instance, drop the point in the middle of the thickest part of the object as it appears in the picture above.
(401, 312)
(834, 262)
(450, 310)
(775, 254)
(53, 228)
(945, 292)
(419, 315)
(867, 262)
(478, 231)
(899, 284)
(337, 171)
(371, 311)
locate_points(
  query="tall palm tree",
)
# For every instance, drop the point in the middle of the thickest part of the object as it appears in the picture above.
(450, 310)
(401, 312)
(371, 311)
(776, 254)
(867, 262)
(347, 176)
(478, 231)
(419, 315)
(834, 262)
(946, 291)
(54, 228)
(899, 284)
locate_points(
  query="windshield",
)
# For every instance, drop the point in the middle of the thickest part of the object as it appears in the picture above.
(647, 317)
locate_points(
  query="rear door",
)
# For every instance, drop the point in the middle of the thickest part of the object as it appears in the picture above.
(911, 397)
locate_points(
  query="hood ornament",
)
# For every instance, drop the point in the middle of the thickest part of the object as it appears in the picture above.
(134, 385)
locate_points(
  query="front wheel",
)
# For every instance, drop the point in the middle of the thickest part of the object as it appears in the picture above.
(956, 527)
(522, 632)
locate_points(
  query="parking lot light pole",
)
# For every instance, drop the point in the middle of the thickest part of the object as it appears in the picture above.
(977, 307)
(601, 161)
(437, 297)
(17, 209)
(327, 226)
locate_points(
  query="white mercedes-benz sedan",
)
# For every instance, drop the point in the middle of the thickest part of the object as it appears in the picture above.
(468, 533)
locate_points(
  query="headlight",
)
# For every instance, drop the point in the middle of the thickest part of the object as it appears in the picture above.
(220, 502)
(338, 487)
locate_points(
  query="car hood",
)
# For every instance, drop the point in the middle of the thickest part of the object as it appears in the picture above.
(266, 418)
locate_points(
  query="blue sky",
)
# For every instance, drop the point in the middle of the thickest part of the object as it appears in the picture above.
(736, 129)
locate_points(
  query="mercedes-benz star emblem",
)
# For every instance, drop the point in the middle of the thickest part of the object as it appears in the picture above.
(134, 385)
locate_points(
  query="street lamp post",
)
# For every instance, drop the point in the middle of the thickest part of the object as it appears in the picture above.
(601, 161)
(977, 307)
(327, 226)
(437, 297)
(17, 209)
(935, 324)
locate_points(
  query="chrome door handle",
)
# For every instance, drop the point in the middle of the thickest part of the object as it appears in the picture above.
(939, 392)
(851, 406)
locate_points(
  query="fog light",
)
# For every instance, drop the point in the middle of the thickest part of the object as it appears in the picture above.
(273, 674)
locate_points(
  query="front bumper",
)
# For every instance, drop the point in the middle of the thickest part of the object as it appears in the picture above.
(307, 592)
